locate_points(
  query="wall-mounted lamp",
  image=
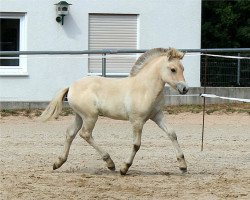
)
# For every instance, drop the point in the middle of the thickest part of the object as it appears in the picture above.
(62, 9)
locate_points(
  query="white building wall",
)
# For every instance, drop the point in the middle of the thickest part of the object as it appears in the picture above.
(162, 23)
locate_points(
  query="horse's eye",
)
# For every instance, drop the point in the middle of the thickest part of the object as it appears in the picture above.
(173, 70)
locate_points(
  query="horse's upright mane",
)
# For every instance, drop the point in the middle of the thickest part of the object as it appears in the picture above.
(153, 53)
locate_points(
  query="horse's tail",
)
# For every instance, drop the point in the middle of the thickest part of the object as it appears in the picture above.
(55, 106)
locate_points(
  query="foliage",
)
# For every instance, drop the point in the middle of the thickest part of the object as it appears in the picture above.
(225, 24)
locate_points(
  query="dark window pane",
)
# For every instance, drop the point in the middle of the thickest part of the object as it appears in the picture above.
(9, 39)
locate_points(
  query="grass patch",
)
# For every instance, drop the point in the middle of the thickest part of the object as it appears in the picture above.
(31, 113)
(210, 109)
(66, 112)
(6, 113)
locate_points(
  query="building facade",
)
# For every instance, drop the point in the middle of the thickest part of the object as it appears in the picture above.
(30, 25)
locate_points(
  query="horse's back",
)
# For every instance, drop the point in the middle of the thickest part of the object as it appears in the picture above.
(99, 96)
(100, 86)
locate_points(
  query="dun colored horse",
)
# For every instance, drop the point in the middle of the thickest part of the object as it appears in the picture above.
(136, 98)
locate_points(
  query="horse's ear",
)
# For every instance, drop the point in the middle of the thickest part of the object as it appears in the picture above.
(182, 54)
(179, 55)
(173, 53)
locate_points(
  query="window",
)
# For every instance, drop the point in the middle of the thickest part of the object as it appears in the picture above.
(112, 31)
(12, 38)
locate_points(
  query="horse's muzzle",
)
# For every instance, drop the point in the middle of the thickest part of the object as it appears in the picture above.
(182, 87)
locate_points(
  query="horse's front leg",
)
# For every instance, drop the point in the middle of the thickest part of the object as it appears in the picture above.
(137, 131)
(159, 119)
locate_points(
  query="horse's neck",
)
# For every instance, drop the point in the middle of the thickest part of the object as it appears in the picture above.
(149, 79)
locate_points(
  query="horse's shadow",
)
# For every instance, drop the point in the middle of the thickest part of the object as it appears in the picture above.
(131, 173)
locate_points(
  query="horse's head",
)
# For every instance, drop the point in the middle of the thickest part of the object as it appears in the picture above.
(172, 71)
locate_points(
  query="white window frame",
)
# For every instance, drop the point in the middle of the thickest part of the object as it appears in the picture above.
(20, 70)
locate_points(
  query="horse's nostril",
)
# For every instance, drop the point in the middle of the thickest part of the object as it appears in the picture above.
(185, 90)
(182, 88)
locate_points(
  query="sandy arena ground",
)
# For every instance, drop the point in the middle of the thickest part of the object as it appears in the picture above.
(222, 171)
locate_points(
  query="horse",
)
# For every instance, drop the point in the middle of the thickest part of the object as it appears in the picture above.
(136, 98)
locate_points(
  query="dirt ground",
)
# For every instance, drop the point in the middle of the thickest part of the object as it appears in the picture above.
(29, 148)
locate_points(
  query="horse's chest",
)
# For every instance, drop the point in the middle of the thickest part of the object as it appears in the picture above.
(145, 107)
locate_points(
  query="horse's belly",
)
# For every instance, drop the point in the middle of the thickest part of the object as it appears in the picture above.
(113, 103)
(114, 112)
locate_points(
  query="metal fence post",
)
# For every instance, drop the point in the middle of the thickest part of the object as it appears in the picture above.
(104, 65)
(204, 103)
(238, 71)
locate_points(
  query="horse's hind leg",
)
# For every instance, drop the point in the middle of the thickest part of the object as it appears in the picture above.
(137, 131)
(159, 119)
(70, 135)
(86, 134)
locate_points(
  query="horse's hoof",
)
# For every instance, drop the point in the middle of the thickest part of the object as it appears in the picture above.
(112, 168)
(124, 168)
(183, 169)
(54, 167)
(123, 173)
